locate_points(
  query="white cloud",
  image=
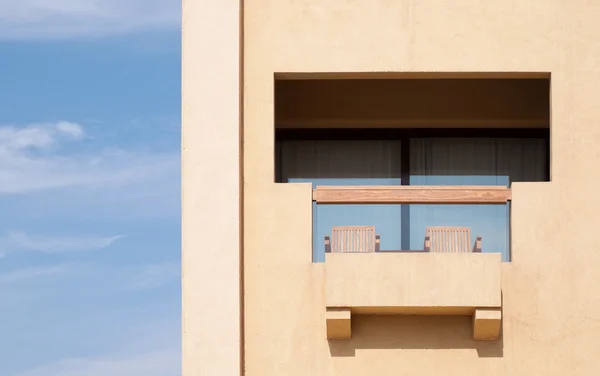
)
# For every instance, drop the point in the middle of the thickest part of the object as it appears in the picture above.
(37, 135)
(30, 273)
(38, 19)
(29, 161)
(156, 363)
(151, 276)
(52, 244)
(71, 129)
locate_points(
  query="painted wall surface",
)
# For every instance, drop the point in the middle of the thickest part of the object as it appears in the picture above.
(551, 298)
(390, 282)
(211, 188)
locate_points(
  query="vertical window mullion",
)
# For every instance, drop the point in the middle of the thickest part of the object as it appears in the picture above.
(405, 180)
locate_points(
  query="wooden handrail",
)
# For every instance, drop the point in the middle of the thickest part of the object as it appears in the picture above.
(402, 194)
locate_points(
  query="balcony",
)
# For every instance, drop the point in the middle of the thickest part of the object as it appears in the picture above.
(448, 275)
(401, 158)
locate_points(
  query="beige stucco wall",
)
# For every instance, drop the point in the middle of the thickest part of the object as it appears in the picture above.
(211, 188)
(407, 283)
(551, 297)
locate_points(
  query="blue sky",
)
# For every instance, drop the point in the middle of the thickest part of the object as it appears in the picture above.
(90, 188)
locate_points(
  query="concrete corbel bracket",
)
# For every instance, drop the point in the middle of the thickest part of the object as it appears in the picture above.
(487, 323)
(338, 323)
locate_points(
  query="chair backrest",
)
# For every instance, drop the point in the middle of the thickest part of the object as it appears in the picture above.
(449, 239)
(352, 239)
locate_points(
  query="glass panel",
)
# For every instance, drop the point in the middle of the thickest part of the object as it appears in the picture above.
(476, 161)
(335, 162)
(483, 161)
(370, 162)
(385, 218)
(488, 221)
(343, 182)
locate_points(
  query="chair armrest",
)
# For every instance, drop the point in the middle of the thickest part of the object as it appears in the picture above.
(327, 245)
(377, 241)
(477, 246)
(427, 244)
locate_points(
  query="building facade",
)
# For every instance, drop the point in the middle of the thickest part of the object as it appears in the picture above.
(390, 187)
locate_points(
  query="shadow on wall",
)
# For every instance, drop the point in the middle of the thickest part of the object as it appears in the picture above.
(413, 332)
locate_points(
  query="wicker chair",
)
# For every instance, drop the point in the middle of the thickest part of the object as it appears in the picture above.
(352, 239)
(446, 239)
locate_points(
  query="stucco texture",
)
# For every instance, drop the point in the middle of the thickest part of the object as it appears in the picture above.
(210, 153)
(551, 299)
(389, 282)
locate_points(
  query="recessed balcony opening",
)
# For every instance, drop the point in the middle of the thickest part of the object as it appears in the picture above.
(419, 162)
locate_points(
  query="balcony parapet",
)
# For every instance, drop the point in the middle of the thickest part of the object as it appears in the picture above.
(391, 283)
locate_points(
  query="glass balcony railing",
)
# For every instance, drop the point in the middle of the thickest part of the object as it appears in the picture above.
(402, 227)
(401, 215)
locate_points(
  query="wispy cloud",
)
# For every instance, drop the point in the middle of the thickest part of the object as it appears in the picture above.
(53, 244)
(26, 19)
(21, 275)
(67, 172)
(43, 135)
(151, 276)
(128, 278)
(30, 161)
(157, 363)
(146, 346)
